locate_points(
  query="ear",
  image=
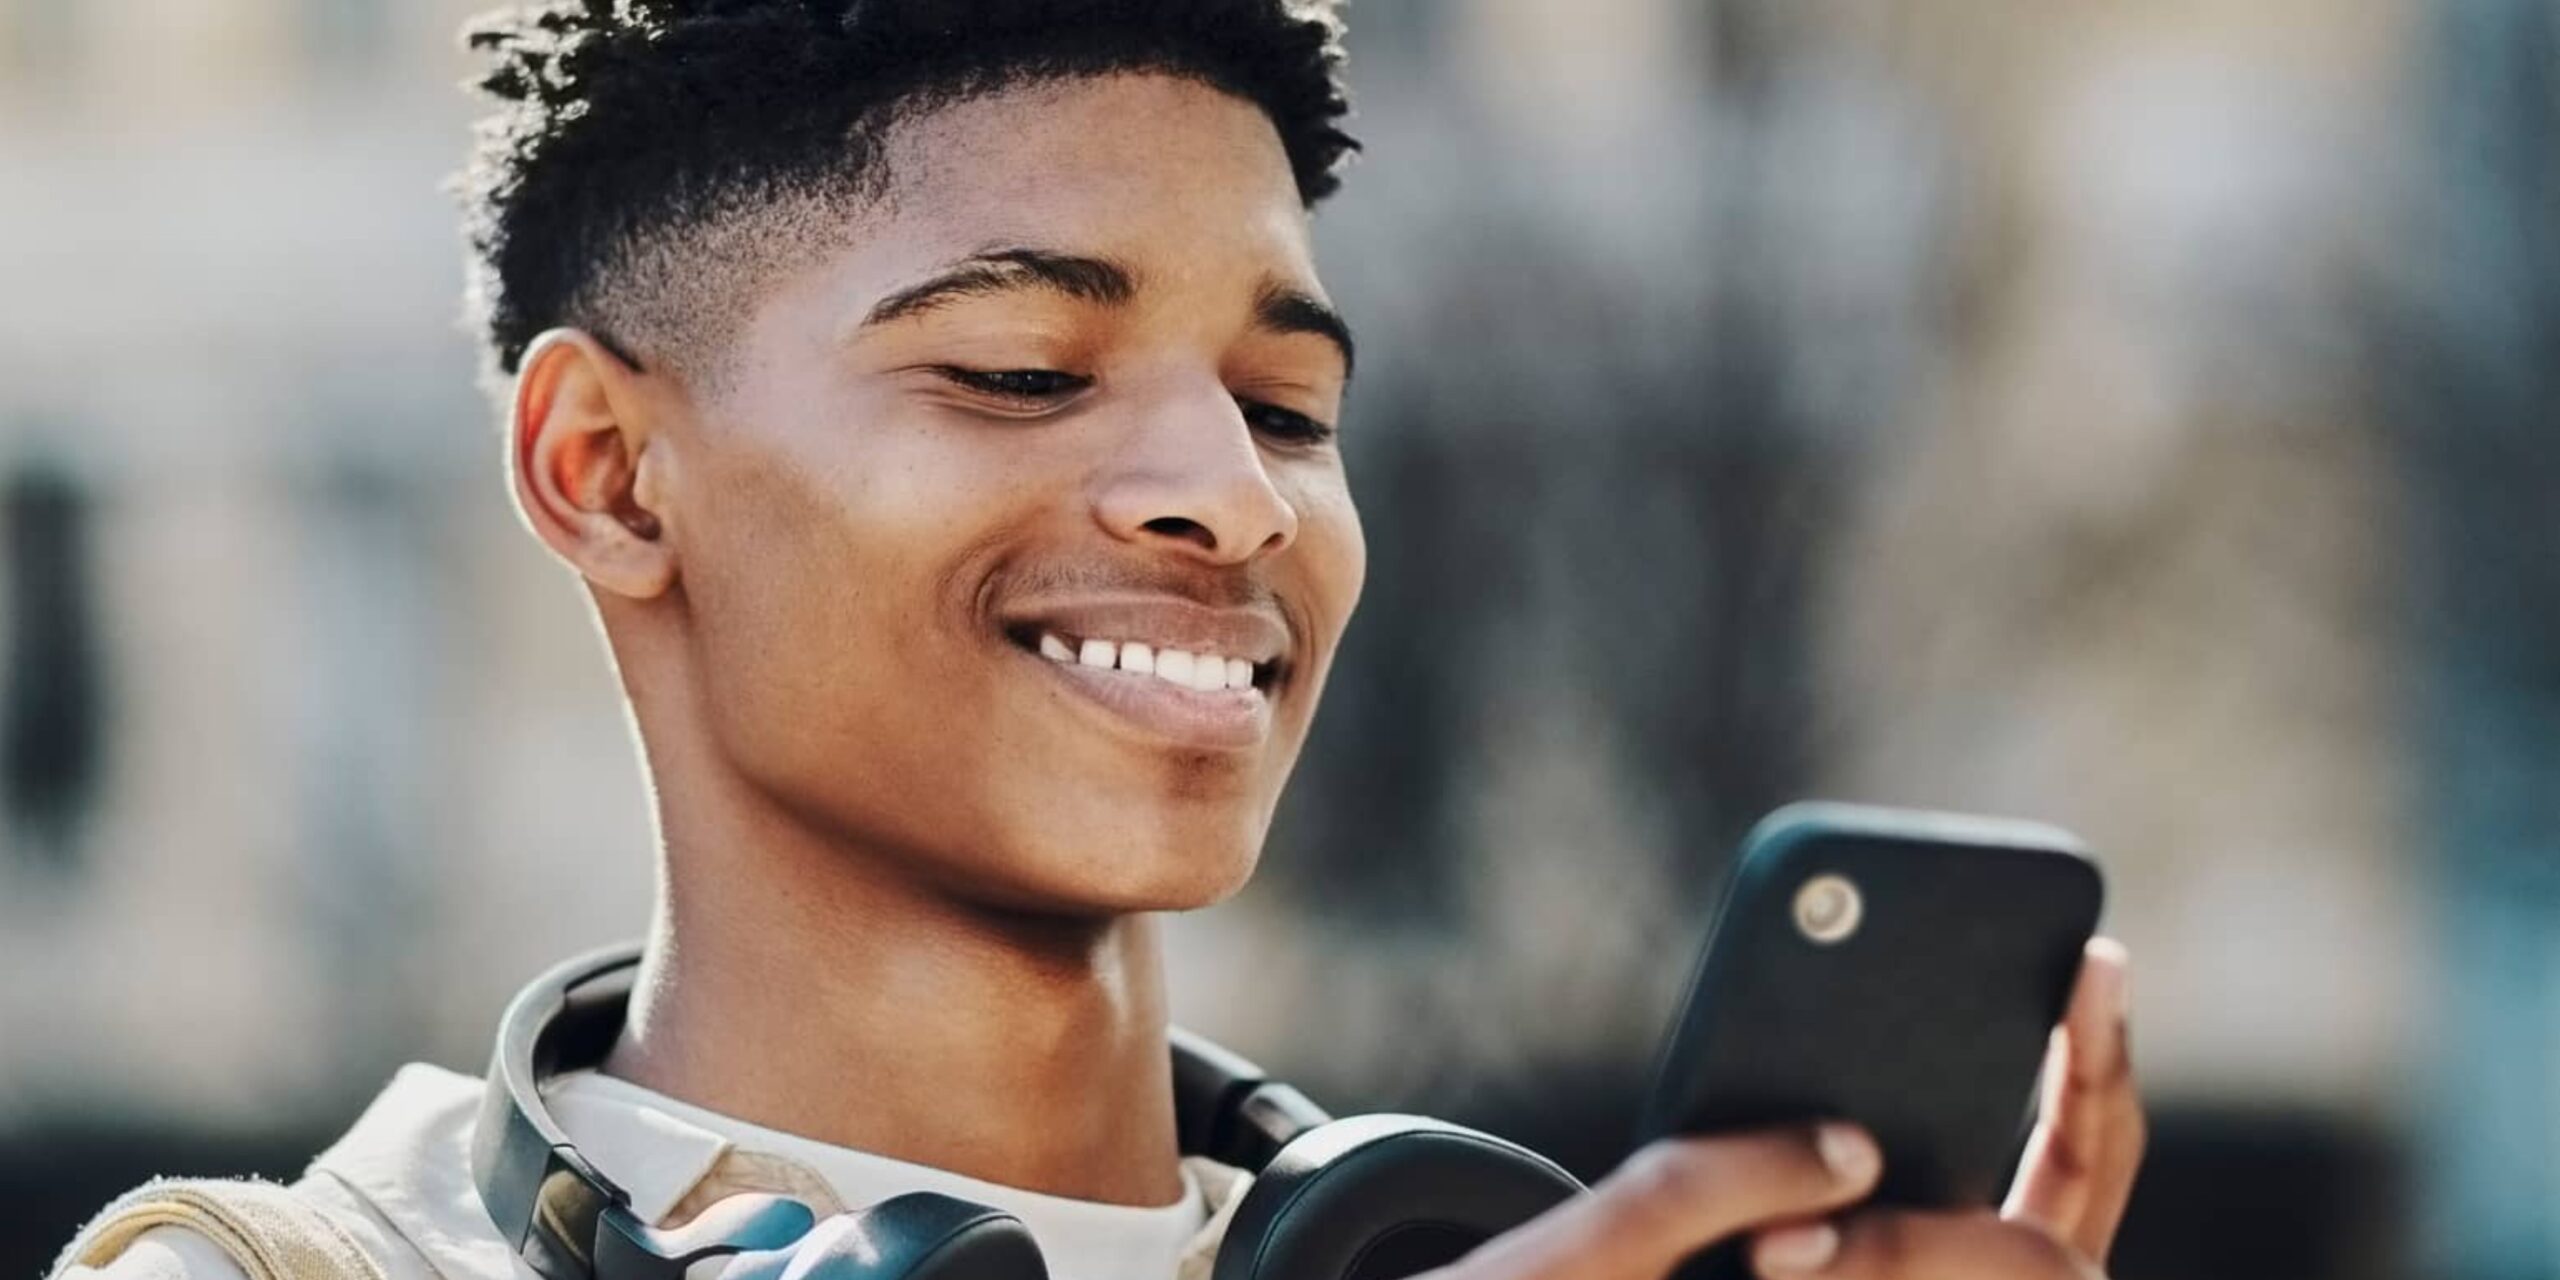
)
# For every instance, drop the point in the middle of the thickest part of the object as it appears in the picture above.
(588, 474)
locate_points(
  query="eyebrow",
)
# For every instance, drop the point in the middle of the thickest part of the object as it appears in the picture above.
(1086, 279)
(1282, 309)
(1277, 308)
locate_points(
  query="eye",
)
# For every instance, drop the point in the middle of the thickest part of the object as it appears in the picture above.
(1022, 386)
(1284, 424)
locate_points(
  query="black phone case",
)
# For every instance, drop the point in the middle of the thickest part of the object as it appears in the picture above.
(1927, 1024)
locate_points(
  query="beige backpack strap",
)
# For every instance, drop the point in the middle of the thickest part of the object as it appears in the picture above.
(264, 1227)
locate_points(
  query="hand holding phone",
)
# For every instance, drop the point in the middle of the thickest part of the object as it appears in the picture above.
(1898, 969)
(1795, 1191)
(1802, 1195)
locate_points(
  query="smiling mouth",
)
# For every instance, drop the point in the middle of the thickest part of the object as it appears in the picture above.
(1193, 700)
(1198, 671)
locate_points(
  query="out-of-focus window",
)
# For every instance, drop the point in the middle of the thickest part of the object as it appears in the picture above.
(344, 35)
(39, 40)
(51, 726)
(366, 698)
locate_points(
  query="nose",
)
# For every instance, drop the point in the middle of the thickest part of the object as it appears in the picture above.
(1190, 478)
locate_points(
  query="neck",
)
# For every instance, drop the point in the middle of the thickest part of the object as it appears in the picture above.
(794, 983)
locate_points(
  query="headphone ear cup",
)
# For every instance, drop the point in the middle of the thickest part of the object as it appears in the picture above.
(1384, 1196)
(918, 1236)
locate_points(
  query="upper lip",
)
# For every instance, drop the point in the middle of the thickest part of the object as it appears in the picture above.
(1257, 635)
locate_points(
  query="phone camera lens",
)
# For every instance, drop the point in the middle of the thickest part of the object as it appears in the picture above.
(1828, 908)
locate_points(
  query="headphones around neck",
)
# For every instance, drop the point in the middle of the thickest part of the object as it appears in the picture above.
(1363, 1198)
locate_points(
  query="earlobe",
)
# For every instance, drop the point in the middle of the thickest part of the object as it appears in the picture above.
(589, 474)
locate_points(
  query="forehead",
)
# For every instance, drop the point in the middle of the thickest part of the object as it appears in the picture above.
(1181, 180)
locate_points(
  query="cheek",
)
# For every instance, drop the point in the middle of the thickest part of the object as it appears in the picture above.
(830, 592)
(779, 567)
(1337, 552)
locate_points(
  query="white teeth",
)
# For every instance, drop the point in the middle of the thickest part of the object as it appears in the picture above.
(1208, 673)
(1201, 672)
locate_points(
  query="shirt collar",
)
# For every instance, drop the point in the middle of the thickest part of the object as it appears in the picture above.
(408, 1158)
(655, 1155)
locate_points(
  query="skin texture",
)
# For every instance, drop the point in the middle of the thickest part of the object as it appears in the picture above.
(908, 873)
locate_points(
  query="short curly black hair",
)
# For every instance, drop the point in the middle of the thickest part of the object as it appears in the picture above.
(651, 161)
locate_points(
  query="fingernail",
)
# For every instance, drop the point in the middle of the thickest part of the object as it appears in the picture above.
(2111, 976)
(1848, 1150)
(1803, 1248)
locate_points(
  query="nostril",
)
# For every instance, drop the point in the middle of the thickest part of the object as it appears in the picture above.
(1185, 528)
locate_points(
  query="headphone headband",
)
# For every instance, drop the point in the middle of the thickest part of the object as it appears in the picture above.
(565, 1218)
(546, 1200)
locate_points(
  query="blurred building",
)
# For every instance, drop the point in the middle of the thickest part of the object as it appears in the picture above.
(307, 752)
(1967, 406)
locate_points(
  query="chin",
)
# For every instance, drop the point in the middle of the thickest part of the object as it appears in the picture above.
(1186, 881)
(1105, 849)
(1202, 882)
(1122, 880)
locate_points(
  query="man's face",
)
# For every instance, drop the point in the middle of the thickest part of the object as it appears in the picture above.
(1062, 403)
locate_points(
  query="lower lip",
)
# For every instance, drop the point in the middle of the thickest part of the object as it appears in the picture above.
(1216, 720)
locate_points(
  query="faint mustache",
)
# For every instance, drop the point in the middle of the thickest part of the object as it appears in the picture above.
(1239, 589)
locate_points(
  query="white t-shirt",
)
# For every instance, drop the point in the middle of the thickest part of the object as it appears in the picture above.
(658, 1149)
(1080, 1239)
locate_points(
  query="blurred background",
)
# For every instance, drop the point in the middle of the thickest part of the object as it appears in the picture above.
(2116, 414)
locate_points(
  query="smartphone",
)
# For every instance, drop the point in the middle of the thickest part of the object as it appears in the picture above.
(1900, 969)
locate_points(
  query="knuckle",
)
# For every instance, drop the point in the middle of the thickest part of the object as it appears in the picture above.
(2127, 1124)
(1894, 1243)
(2105, 1075)
(1881, 1241)
(2064, 1158)
(1670, 1173)
(1702, 1188)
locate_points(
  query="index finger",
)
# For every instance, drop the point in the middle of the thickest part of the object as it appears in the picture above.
(1677, 1196)
(2087, 1146)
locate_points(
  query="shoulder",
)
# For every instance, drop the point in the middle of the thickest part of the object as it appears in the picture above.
(164, 1253)
(237, 1229)
(224, 1228)
(390, 1195)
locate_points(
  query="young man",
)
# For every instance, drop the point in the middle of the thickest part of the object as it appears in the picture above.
(937, 400)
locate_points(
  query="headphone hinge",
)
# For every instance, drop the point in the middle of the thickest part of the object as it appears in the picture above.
(1265, 1120)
